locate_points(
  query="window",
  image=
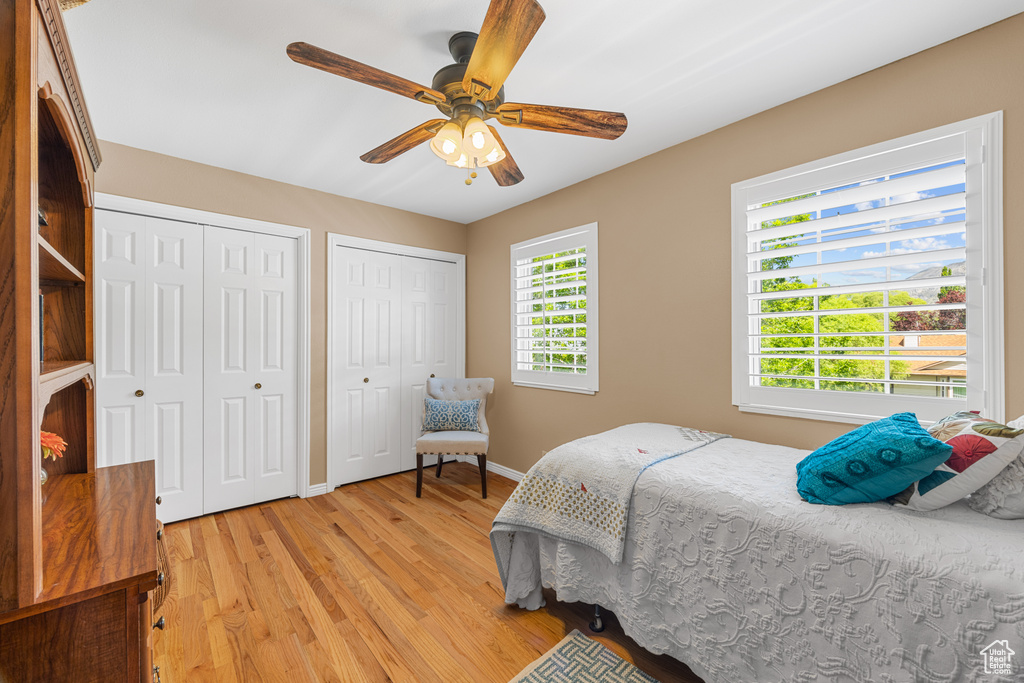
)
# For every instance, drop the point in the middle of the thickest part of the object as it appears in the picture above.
(554, 311)
(871, 282)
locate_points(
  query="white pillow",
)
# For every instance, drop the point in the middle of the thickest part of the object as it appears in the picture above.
(1003, 497)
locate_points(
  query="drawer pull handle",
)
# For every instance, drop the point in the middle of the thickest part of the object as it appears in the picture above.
(431, 375)
(159, 499)
(258, 385)
(160, 579)
(160, 624)
(159, 534)
(366, 380)
(140, 393)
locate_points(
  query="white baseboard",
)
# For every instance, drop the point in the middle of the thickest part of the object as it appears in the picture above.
(316, 490)
(321, 489)
(494, 467)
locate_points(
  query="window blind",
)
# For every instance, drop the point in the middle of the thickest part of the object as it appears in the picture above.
(862, 287)
(554, 311)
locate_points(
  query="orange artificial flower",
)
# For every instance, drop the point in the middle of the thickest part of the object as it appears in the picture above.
(53, 445)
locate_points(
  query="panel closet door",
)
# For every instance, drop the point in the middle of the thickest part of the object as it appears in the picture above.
(250, 368)
(149, 353)
(366, 432)
(429, 343)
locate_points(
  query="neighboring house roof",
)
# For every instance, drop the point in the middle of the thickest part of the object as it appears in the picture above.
(945, 367)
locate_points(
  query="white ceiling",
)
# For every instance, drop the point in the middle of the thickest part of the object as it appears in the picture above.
(209, 80)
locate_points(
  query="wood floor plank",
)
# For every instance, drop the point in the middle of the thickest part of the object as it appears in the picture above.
(366, 584)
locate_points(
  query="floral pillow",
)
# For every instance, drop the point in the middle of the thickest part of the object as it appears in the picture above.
(1003, 497)
(450, 416)
(981, 450)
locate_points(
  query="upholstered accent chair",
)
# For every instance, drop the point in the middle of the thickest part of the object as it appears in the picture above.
(456, 443)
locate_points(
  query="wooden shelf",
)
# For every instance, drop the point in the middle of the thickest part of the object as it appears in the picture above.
(56, 268)
(60, 374)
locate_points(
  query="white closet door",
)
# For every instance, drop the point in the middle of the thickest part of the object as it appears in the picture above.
(367, 371)
(231, 312)
(149, 336)
(250, 368)
(429, 343)
(120, 338)
(275, 366)
(174, 364)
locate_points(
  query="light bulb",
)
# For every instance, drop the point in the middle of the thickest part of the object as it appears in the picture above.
(447, 144)
(462, 162)
(496, 155)
(478, 137)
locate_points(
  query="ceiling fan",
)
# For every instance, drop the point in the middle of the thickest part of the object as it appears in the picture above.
(470, 92)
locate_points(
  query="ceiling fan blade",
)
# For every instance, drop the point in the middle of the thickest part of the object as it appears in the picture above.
(404, 142)
(506, 172)
(589, 122)
(322, 59)
(508, 28)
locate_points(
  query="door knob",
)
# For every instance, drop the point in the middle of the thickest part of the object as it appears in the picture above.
(258, 385)
(159, 499)
(366, 380)
(140, 393)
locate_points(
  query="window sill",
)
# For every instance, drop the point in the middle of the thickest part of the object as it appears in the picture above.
(555, 387)
(824, 415)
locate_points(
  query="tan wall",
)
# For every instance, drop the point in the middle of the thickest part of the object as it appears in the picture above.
(131, 172)
(665, 243)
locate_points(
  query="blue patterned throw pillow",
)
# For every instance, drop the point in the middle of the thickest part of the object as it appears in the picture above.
(450, 416)
(870, 463)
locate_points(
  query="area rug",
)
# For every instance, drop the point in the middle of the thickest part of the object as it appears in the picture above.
(578, 659)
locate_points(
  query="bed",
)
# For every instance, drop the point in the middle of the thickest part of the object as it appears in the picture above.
(725, 568)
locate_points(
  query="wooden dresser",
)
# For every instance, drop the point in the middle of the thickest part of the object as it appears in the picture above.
(78, 554)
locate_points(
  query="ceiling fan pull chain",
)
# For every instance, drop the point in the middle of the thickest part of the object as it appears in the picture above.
(470, 174)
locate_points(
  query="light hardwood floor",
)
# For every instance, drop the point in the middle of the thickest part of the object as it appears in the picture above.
(367, 583)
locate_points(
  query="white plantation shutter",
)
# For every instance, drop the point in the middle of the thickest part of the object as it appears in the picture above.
(867, 284)
(554, 311)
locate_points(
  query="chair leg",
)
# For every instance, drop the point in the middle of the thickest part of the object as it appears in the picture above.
(440, 461)
(481, 461)
(419, 474)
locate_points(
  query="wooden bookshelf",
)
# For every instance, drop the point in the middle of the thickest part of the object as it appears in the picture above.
(78, 554)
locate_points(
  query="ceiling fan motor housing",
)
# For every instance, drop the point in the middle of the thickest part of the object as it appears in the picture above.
(461, 46)
(448, 79)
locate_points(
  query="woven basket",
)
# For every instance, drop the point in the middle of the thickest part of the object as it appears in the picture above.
(65, 5)
(163, 566)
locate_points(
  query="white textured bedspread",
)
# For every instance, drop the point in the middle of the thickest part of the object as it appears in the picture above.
(728, 570)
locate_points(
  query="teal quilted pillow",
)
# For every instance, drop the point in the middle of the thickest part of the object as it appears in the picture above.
(450, 416)
(870, 463)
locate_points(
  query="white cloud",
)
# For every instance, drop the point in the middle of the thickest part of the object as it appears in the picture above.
(913, 246)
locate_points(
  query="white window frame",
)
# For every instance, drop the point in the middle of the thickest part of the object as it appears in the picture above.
(985, 369)
(573, 238)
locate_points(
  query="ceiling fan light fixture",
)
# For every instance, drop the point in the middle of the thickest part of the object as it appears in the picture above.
(478, 137)
(493, 157)
(447, 144)
(463, 161)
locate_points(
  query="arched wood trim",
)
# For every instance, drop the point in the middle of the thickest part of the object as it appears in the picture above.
(62, 117)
